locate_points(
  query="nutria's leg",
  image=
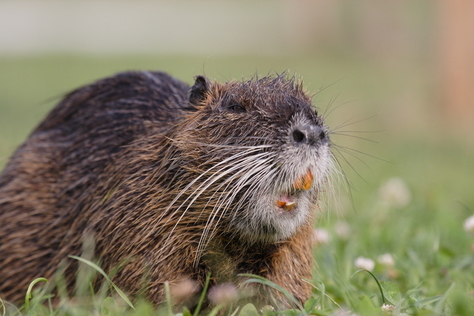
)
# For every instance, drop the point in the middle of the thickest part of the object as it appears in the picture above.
(286, 263)
(291, 265)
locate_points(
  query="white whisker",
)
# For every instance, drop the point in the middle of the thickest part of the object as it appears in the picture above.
(205, 185)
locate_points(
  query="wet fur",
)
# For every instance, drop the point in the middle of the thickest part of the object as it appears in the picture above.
(171, 182)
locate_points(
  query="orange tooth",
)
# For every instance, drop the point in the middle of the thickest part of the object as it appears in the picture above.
(304, 183)
(289, 206)
(280, 203)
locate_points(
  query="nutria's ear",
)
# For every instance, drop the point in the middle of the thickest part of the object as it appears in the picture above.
(199, 90)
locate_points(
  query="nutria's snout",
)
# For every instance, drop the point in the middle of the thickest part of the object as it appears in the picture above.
(310, 134)
(298, 165)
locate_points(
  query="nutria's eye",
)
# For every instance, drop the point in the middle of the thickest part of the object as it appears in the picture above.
(236, 107)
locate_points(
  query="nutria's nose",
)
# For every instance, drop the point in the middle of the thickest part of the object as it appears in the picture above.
(308, 134)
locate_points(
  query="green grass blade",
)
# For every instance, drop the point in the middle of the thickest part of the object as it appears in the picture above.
(203, 295)
(98, 269)
(261, 280)
(168, 298)
(442, 301)
(377, 281)
(28, 295)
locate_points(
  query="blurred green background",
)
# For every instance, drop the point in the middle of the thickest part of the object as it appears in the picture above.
(396, 79)
(381, 64)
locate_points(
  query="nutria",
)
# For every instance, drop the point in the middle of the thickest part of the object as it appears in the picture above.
(172, 182)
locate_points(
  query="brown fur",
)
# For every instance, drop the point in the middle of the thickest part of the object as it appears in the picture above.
(120, 160)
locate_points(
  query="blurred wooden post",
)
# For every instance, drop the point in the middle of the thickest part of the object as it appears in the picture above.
(457, 59)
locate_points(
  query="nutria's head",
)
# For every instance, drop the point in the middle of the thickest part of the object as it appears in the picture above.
(258, 152)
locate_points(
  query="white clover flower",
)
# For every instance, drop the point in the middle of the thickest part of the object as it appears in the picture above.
(343, 230)
(320, 236)
(469, 225)
(184, 289)
(395, 192)
(344, 312)
(364, 263)
(386, 259)
(224, 294)
(387, 308)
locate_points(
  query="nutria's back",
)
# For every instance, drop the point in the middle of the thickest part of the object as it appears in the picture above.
(47, 181)
(177, 182)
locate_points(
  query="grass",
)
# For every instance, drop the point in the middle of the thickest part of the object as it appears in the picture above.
(417, 221)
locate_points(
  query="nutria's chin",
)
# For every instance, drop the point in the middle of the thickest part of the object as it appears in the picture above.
(172, 182)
